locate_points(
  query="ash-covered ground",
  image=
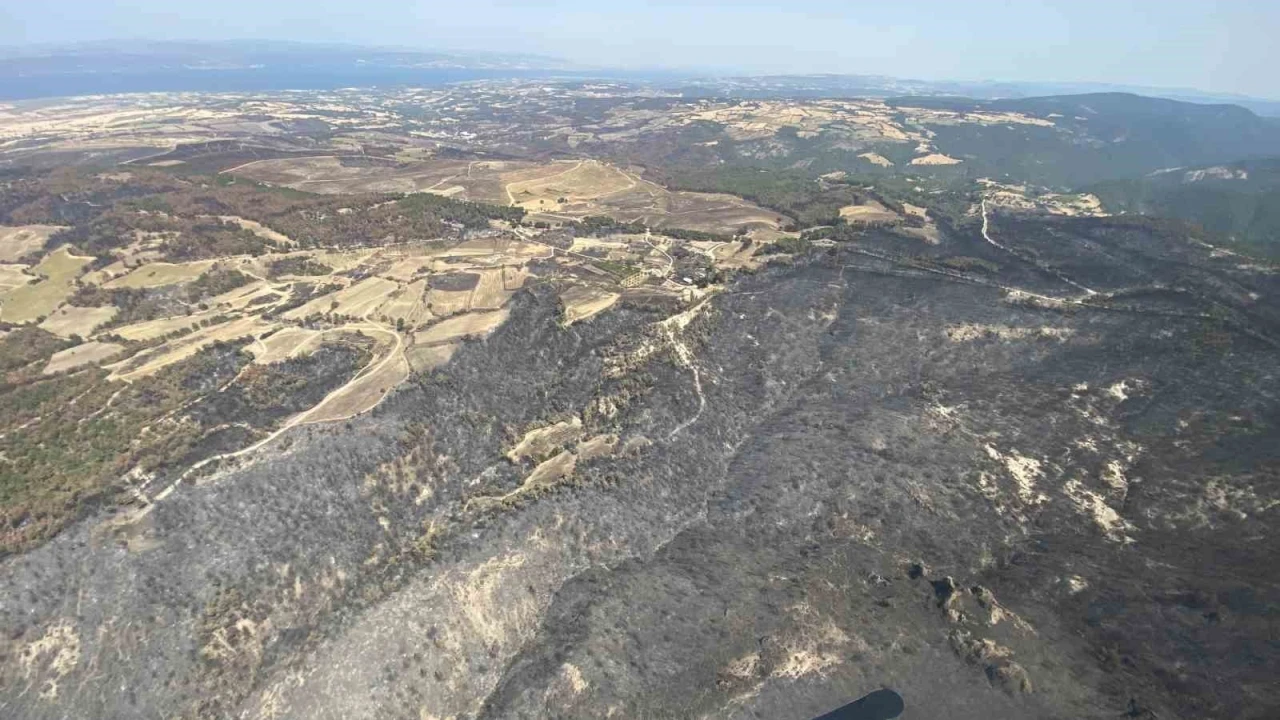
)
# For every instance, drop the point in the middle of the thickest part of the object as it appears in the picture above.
(1044, 485)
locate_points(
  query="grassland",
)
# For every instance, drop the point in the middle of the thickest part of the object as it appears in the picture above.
(17, 242)
(158, 274)
(14, 276)
(39, 299)
(88, 353)
(82, 321)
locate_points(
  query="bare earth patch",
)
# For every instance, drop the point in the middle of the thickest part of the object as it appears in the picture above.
(876, 159)
(935, 159)
(582, 302)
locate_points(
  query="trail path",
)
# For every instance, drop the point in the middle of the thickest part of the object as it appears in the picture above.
(986, 235)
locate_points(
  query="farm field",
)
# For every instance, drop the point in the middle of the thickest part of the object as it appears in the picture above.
(18, 242)
(37, 300)
(555, 191)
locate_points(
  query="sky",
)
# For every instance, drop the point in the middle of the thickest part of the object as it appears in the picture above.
(1226, 46)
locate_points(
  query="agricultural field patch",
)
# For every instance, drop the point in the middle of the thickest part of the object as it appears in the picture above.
(13, 276)
(82, 321)
(35, 300)
(407, 306)
(149, 362)
(462, 326)
(90, 353)
(285, 343)
(424, 358)
(583, 301)
(18, 242)
(158, 274)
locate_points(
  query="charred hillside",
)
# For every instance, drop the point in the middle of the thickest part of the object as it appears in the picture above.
(1034, 477)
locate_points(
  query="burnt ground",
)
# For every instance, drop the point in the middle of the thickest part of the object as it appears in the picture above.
(856, 469)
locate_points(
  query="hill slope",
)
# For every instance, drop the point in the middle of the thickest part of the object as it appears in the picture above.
(1101, 136)
(1238, 201)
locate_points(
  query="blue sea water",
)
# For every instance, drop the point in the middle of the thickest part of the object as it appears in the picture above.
(242, 80)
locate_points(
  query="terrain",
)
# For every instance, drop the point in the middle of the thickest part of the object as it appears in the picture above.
(601, 399)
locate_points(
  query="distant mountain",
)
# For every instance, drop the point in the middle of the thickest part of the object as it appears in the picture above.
(833, 85)
(1099, 136)
(1238, 201)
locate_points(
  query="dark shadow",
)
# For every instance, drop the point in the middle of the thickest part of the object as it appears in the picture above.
(879, 705)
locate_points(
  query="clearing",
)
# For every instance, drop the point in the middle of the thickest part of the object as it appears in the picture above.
(29, 302)
(69, 320)
(581, 302)
(159, 274)
(935, 159)
(90, 352)
(20, 240)
(462, 326)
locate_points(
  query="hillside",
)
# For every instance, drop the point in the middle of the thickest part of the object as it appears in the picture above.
(582, 399)
(1101, 136)
(1238, 202)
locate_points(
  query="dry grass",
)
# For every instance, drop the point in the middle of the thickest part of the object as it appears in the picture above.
(259, 229)
(876, 159)
(429, 357)
(29, 302)
(85, 354)
(158, 274)
(584, 181)
(151, 329)
(539, 442)
(935, 159)
(67, 320)
(597, 446)
(462, 326)
(448, 302)
(920, 212)
(359, 300)
(551, 471)
(14, 276)
(408, 269)
(588, 187)
(582, 302)
(149, 362)
(496, 286)
(870, 211)
(20, 240)
(328, 175)
(364, 392)
(285, 343)
(242, 297)
(409, 304)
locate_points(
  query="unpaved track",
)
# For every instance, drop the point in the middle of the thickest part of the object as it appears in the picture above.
(986, 235)
(299, 419)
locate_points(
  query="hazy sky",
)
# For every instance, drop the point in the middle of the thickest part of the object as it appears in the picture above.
(1224, 46)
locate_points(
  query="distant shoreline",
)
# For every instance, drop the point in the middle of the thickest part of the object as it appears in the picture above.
(246, 80)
